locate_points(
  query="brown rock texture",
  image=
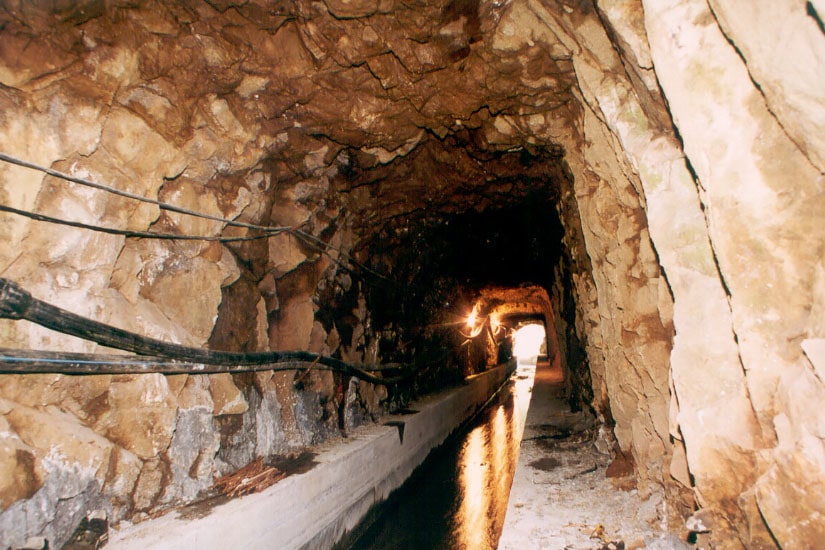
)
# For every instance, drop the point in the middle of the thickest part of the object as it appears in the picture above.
(655, 167)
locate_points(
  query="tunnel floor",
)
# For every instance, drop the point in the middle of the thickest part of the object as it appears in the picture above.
(509, 482)
(561, 495)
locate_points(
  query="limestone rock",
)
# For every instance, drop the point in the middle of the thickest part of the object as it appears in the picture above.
(138, 414)
(195, 393)
(191, 455)
(32, 391)
(45, 432)
(766, 39)
(295, 322)
(149, 485)
(171, 290)
(63, 465)
(152, 321)
(270, 438)
(371, 397)
(815, 351)
(285, 253)
(124, 470)
(257, 432)
(22, 64)
(793, 510)
(226, 397)
(346, 9)
(18, 472)
(194, 444)
(739, 188)
(290, 214)
(261, 326)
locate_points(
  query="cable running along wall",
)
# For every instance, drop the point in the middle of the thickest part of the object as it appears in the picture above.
(162, 357)
(17, 304)
(263, 230)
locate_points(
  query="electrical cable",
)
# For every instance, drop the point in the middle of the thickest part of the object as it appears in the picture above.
(126, 232)
(46, 362)
(308, 239)
(17, 304)
(129, 340)
(160, 204)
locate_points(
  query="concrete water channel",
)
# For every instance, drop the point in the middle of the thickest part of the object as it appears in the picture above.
(318, 507)
(458, 497)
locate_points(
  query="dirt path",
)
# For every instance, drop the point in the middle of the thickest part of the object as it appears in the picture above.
(561, 497)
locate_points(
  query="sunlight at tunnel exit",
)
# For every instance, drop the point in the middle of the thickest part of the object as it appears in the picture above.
(527, 342)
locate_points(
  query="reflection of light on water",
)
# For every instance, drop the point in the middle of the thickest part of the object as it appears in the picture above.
(498, 444)
(460, 500)
(471, 529)
(503, 465)
(522, 393)
(486, 464)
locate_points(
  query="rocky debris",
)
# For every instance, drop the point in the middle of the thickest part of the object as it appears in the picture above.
(566, 493)
(589, 511)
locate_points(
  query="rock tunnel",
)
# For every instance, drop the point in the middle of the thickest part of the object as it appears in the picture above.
(646, 177)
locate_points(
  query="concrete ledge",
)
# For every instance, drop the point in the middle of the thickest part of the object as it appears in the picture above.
(314, 509)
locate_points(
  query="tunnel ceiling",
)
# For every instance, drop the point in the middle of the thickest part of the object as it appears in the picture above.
(429, 130)
(430, 134)
(483, 218)
(377, 78)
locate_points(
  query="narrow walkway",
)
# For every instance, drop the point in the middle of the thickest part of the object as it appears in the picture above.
(561, 497)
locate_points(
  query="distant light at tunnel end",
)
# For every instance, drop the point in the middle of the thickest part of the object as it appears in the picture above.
(527, 341)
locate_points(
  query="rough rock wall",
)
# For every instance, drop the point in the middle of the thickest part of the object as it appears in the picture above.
(742, 257)
(136, 103)
(705, 299)
(624, 307)
(734, 212)
(752, 126)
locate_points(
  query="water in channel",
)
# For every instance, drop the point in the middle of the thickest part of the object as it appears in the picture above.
(457, 498)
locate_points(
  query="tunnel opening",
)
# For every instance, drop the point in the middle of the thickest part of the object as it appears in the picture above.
(529, 343)
(485, 218)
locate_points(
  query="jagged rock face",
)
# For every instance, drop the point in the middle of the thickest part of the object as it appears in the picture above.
(764, 234)
(689, 278)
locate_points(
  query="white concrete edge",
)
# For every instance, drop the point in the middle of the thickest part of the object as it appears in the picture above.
(316, 508)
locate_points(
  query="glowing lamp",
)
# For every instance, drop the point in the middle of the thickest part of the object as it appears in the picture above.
(471, 319)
